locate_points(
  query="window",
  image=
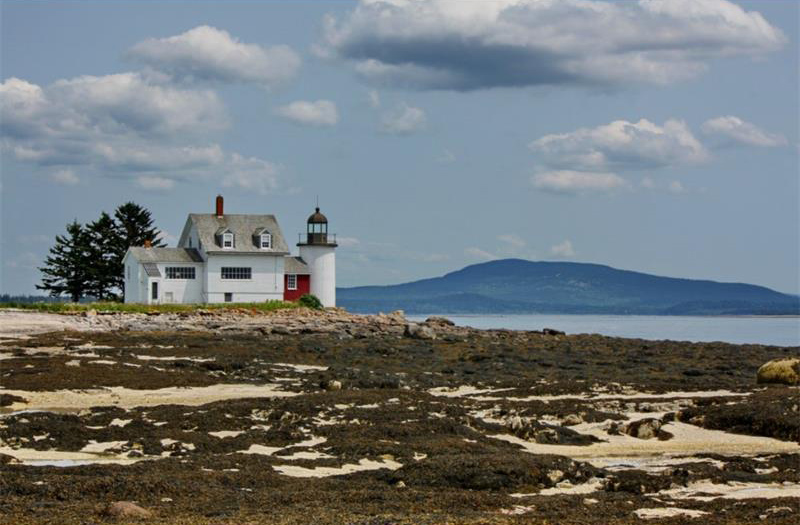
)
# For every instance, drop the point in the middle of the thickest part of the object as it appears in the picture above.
(180, 272)
(291, 281)
(227, 240)
(129, 272)
(154, 291)
(266, 240)
(229, 272)
(228, 297)
(190, 242)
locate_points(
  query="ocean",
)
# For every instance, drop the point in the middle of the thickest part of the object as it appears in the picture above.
(778, 331)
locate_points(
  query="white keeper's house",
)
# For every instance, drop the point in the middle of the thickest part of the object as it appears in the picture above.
(234, 258)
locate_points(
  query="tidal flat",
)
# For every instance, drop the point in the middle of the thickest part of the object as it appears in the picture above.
(327, 417)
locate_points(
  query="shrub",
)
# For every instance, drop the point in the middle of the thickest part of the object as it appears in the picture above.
(310, 301)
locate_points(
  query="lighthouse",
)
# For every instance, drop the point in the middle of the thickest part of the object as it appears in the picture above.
(318, 252)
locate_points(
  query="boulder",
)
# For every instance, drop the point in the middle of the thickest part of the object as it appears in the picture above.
(647, 428)
(784, 371)
(571, 419)
(551, 331)
(418, 331)
(126, 509)
(439, 321)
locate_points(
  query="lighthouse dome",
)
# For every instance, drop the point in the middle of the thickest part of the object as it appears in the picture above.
(317, 218)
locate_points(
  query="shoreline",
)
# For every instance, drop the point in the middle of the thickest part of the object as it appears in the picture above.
(335, 417)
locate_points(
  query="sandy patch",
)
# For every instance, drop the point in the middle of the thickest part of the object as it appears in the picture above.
(322, 472)
(74, 400)
(174, 358)
(305, 454)
(630, 396)
(464, 390)
(95, 448)
(261, 449)
(226, 433)
(15, 324)
(116, 422)
(58, 458)
(687, 440)
(732, 490)
(300, 368)
(668, 512)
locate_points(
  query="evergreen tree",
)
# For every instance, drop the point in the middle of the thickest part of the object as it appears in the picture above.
(105, 275)
(66, 269)
(134, 226)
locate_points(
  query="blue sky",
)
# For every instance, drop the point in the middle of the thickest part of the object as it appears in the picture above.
(658, 136)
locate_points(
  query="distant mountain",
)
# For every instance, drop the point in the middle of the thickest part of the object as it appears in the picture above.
(519, 286)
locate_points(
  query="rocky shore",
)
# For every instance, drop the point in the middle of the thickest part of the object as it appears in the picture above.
(301, 416)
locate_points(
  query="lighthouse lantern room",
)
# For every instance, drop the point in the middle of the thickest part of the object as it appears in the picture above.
(318, 252)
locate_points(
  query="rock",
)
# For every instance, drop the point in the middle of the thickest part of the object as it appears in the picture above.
(418, 331)
(333, 385)
(439, 321)
(90, 313)
(647, 428)
(784, 371)
(571, 419)
(126, 509)
(551, 331)
(400, 484)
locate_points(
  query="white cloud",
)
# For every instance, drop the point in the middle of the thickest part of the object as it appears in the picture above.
(318, 113)
(347, 242)
(374, 99)
(66, 177)
(208, 53)
(739, 131)
(514, 241)
(676, 187)
(447, 157)
(573, 182)
(122, 126)
(622, 145)
(155, 183)
(563, 249)
(477, 253)
(404, 120)
(252, 174)
(452, 44)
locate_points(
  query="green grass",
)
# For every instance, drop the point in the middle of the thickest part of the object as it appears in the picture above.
(71, 308)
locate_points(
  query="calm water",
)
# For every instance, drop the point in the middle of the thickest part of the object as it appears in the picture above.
(779, 331)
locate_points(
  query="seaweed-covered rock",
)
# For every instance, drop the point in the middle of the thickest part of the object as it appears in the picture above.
(494, 471)
(785, 371)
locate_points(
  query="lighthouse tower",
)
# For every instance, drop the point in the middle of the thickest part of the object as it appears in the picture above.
(318, 252)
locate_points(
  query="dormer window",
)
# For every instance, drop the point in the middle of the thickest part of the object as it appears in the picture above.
(266, 241)
(227, 241)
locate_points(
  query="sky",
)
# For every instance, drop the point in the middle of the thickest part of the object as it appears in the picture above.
(659, 136)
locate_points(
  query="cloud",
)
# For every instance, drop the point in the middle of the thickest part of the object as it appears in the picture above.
(563, 249)
(319, 113)
(155, 183)
(121, 126)
(622, 145)
(374, 99)
(447, 157)
(514, 241)
(209, 54)
(252, 174)
(477, 253)
(452, 44)
(738, 131)
(574, 182)
(347, 242)
(676, 187)
(404, 120)
(66, 177)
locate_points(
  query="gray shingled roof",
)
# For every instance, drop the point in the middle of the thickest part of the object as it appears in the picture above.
(243, 227)
(166, 255)
(295, 265)
(151, 269)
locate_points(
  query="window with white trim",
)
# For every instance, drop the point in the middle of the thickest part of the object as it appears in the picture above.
(180, 272)
(239, 273)
(266, 241)
(291, 281)
(227, 240)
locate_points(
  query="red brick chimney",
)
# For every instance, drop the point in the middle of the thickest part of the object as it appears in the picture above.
(148, 243)
(219, 206)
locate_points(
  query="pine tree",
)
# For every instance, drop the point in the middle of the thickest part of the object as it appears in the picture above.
(66, 269)
(134, 226)
(105, 275)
